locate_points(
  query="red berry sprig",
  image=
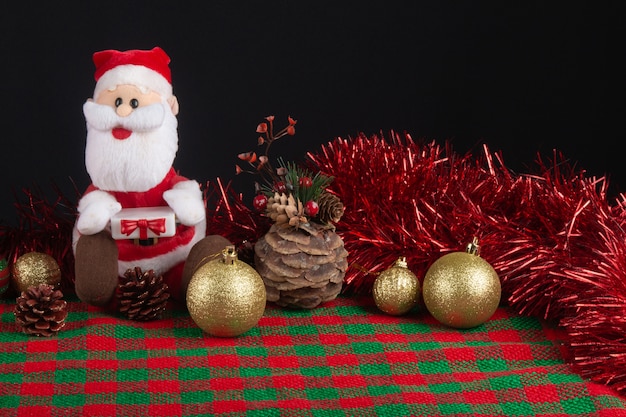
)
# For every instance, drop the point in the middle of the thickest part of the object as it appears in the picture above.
(311, 208)
(305, 182)
(259, 202)
(289, 179)
(261, 163)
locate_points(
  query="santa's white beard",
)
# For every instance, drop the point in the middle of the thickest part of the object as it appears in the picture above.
(137, 163)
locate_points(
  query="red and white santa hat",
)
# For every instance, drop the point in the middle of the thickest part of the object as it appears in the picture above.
(143, 68)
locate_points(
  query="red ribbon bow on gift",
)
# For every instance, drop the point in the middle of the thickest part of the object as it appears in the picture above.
(156, 226)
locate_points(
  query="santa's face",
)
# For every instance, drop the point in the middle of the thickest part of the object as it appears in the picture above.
(131, 139)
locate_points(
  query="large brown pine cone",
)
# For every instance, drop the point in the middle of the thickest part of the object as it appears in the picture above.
(142, 296)
(301, 269)
(41, 310)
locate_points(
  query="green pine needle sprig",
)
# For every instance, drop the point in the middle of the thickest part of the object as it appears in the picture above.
(319, 182)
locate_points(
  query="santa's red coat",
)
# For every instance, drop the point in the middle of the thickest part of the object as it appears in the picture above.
(163, 253)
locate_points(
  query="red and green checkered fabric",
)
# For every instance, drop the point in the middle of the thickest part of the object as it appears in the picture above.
(344, 358)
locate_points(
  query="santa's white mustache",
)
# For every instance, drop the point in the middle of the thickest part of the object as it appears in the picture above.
(142, 119)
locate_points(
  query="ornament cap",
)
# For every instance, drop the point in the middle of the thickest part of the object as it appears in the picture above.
(401, 262)
(229, 255)
(473, 248)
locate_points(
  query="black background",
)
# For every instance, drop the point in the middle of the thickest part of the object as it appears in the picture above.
(523, 77)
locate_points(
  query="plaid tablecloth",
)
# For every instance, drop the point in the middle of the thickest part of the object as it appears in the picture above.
(344, 358)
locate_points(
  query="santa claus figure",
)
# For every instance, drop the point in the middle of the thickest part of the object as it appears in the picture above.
(137, 211)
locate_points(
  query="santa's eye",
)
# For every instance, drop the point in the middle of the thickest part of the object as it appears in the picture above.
(134, 103)
(118, 101)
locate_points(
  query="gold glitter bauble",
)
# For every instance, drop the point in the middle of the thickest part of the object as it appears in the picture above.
(396, 290)
(226, 297)
(461, 289)
(34, 268)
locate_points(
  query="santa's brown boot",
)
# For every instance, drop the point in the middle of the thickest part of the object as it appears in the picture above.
(96, 275)
(203, 251)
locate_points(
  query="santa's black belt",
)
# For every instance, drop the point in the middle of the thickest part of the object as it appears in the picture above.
(146, 242)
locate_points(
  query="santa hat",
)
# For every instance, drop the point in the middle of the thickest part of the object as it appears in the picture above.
(143, 68)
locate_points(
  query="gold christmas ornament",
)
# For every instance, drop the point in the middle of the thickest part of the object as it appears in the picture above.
(34, 268)
(226, 297)
(461, 289)
(396, 290)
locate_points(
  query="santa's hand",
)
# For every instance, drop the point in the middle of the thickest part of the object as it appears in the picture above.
(185, 198)
(95, 210)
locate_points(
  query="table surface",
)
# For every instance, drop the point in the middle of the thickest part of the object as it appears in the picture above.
(343, 358)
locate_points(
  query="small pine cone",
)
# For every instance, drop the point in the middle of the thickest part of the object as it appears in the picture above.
(41, 310)
(285, 209)
(331, 208)
(142, 295)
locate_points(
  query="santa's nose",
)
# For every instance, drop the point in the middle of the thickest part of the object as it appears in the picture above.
(124, 110)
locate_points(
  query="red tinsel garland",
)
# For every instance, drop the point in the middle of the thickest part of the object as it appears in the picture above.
(557, 244)
(229, 216)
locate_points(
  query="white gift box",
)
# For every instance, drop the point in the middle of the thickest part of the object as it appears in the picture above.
(143, 223)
